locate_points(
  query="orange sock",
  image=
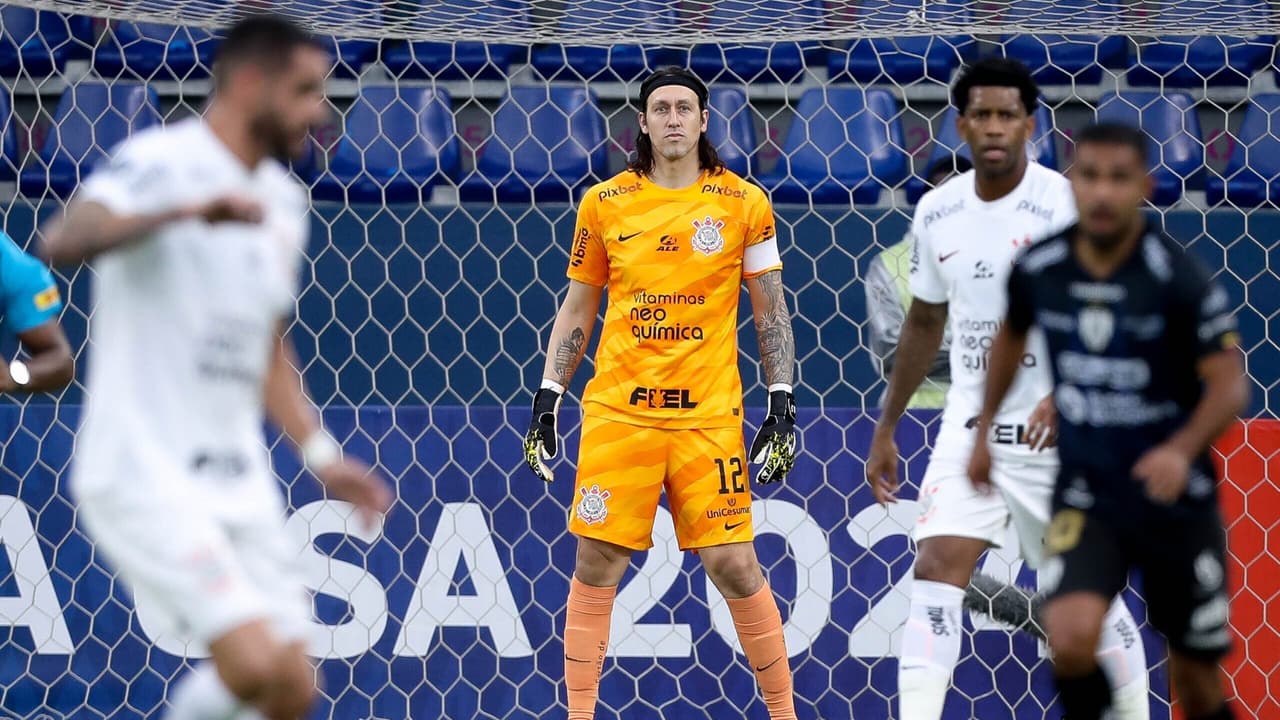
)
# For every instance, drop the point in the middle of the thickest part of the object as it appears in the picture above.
(586, 637)
(759, 627)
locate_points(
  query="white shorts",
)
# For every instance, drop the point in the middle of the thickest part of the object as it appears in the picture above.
(951, 507)
(196, 574)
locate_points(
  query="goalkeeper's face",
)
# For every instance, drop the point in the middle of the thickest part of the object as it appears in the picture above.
(292, 102)
(674, 122)
(996, 125)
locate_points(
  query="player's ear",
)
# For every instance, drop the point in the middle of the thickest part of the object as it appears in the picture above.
(1148, 185)
(644, 126)
(706, 115)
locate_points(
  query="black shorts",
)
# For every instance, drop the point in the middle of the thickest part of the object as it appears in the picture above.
(1183, 567)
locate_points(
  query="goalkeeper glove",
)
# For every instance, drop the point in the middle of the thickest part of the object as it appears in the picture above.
(540, 442)
(775, 444)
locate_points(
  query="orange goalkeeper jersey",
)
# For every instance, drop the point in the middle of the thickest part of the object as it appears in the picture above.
(673, 264)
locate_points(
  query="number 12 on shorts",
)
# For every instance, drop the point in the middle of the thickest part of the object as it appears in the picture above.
(730, 475)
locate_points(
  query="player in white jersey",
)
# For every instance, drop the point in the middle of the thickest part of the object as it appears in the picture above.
(197, 234)
(968, 232)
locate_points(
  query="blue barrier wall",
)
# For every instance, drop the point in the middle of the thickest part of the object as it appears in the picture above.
(450, 305)
(474, 531)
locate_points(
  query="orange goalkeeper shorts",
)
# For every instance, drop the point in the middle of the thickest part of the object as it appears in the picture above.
(623, 468)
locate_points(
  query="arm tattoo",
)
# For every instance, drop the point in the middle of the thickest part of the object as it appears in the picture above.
(773, 329)
(568, 355)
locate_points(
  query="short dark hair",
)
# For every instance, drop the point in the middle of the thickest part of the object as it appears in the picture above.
(996, 72)
(1114, 133)
(265, 39)
(708, 159)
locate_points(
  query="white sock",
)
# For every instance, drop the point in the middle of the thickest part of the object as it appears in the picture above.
(201, 695)
(1124, 660)
(930, 649)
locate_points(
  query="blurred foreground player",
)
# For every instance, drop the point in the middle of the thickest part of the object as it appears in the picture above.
(967, 233)
(673, 238)
(1148, 375)
(197, 232)
(29, 306)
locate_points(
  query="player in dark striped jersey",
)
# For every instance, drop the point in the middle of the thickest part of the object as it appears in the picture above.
(1147, 374)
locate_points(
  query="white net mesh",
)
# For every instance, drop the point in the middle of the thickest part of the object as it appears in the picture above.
(595, 22)
(440, 238)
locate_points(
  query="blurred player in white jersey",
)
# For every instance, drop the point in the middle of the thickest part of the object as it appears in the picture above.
(968, 232)
(197, 232)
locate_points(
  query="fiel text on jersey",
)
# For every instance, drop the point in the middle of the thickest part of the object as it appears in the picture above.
(663, 398)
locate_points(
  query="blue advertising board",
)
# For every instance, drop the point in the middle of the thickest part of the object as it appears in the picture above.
(453, 606)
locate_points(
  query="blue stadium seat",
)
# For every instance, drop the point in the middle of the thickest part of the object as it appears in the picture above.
(398, 142)
(771, 62)
(9, 159)
(1175, 144)
(462, 60)
(350, 56)
(902, 59)
(1064, 59)
(731, 129)
(91, 119)
(39, 43)
(1252, 175)
(648, 18)
(845, 144)
(151, 51)
(947, 142)
(547, 143)
(1194, 61)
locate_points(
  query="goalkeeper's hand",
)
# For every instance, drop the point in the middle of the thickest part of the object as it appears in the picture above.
(540, 443)
(775, 444)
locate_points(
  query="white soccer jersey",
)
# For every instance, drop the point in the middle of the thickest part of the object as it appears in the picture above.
(964, 250)
(184, 321)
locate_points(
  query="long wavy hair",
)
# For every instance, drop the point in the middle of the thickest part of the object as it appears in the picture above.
(708, 159)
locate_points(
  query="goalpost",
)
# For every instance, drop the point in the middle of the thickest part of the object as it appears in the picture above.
(427, 299)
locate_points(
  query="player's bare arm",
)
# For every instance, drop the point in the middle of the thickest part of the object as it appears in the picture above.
(922, 334)
(575, 321)
(49, 365)
(773, 327)
(89, 228)
(287, 406)
(774, 447)
(1006, 351)
(1165, 469)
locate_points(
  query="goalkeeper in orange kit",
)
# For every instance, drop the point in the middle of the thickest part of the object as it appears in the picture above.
(673, 238)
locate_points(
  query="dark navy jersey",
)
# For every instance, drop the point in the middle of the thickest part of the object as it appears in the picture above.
(1123, 352)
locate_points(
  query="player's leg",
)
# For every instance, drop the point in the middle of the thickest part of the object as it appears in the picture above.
(620, 472)
(1086, 567)
(955, 527)
(1184, 572)
(711, 503)
(1028, 490)
(173, 554)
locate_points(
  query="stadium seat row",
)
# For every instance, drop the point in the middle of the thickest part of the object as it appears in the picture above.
(40, 43)
(549, 142)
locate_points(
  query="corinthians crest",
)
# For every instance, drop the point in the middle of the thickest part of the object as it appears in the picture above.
(591, 508)
(1097, 325)
(707, 238)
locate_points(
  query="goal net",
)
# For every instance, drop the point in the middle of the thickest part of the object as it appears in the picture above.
(443, 193)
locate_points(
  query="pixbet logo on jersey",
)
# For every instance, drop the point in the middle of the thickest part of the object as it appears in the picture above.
(663, 398)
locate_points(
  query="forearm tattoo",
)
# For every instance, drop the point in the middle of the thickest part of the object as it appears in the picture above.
(568, 355)
(773, 329)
